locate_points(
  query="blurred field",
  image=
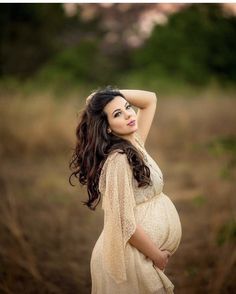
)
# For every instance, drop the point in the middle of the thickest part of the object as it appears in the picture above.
(47, 235)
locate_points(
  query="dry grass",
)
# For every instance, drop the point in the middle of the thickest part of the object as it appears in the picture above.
(47, 235)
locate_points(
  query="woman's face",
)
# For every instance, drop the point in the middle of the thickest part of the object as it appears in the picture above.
(120, 113)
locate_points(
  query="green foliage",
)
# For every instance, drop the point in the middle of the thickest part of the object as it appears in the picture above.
(227, 233)
(199, 200)
(225, 173)
(76, 66)
(192, 270)
(223, 145)
(196, 45)
(28, 36)
(226, 170)
(40, 44)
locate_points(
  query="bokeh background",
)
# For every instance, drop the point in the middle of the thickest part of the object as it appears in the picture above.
(52, 57)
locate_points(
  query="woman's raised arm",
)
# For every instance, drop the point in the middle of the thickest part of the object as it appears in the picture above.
(146, 102)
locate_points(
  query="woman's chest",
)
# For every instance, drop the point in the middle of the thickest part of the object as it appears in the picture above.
(143, 194)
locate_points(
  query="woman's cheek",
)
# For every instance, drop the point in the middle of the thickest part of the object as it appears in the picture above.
(118, 125)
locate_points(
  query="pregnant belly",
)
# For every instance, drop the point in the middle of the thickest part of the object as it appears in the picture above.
(160, 220)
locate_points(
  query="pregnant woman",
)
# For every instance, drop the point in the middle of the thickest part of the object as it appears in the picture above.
(142, 228)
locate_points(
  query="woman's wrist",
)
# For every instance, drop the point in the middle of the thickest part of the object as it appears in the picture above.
(139, 98)
(157, 255)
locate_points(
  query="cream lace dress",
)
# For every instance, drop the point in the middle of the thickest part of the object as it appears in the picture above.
(116, 266)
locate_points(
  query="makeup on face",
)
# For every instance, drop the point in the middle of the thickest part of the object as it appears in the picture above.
(121, 116)
(132, 123)
(117, 111)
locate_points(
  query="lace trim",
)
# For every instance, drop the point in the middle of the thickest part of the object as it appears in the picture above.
(139, 140)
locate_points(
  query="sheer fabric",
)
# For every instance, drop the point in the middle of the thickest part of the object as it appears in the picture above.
(117, 266)
(119, 221)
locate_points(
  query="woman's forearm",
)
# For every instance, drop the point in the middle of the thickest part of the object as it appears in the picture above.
(143, 243)
(139, 98)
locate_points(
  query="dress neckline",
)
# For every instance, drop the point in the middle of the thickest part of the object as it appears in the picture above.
(141, 150)
(146, 156)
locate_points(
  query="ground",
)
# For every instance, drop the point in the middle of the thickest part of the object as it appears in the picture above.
(47, 235)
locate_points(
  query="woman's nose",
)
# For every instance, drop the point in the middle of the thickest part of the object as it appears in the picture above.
(127, 115)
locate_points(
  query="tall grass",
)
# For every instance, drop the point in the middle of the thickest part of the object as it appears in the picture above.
(47, 235)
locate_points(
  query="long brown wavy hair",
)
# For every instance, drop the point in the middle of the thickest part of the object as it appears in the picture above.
(93, 145)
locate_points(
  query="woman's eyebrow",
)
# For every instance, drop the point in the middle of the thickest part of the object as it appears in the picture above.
(119, 108)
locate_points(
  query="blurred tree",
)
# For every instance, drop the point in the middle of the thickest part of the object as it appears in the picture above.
(95, 44)
(197, 43)
(27, 33)
(78, 65)
(33, 34)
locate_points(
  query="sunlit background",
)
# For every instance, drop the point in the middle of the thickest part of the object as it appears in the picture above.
(52, 57)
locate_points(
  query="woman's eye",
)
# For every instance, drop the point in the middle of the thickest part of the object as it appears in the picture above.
(118, 113)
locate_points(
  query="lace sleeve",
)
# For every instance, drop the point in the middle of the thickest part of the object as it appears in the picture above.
(118, 203)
